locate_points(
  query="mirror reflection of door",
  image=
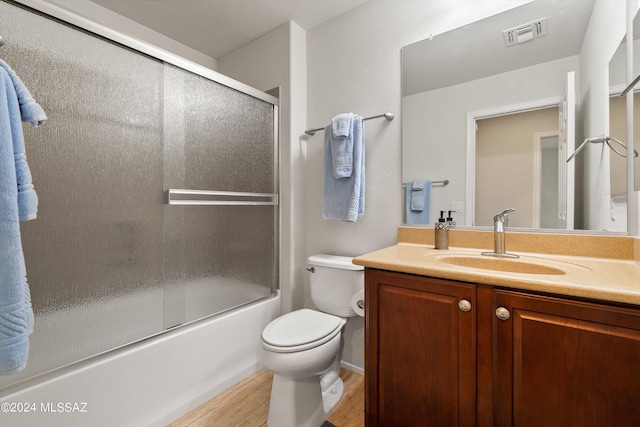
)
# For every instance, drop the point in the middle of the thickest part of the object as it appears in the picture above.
(618, 130)
(512, 168)
(566, 146)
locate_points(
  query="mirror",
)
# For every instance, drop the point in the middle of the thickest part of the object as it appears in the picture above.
(453, 81)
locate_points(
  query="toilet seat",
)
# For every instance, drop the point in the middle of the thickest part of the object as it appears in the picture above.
(301, 330)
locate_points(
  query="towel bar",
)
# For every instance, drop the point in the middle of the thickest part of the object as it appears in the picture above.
(220, 198)
(388, 116)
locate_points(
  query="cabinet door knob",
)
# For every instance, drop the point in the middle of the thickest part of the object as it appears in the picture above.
(502, 313)
(464, 305)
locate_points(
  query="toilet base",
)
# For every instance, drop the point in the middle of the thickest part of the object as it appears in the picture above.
(332, 396)
(304, 402)
(332, 387)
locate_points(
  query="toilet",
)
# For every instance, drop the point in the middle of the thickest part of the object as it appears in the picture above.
(303, 348)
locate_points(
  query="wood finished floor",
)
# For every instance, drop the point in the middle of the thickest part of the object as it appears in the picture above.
(247, 404)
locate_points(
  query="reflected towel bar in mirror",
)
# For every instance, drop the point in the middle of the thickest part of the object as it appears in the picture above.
(626, 90)
(602, 140)
(442, 183)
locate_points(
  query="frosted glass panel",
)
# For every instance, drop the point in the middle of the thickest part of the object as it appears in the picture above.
(230, 256)
(94, 254)
(108, 262)
(217, 139)
(226, 137)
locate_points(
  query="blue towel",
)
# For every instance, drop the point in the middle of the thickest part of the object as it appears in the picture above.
(341, 125)
(418, 195)
(30, 111)
(417, 201)
(342, 145)
(17, 200)
(343, 198)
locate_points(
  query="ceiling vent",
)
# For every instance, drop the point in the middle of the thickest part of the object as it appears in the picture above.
(525, 32)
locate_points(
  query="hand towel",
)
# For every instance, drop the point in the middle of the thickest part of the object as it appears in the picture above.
(342, 145)
(17, 199)
(341, 125)
(344, 198)
(418, 202)
(30, 110)
(418, 195)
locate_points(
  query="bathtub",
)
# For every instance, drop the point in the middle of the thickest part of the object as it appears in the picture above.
(151, 383)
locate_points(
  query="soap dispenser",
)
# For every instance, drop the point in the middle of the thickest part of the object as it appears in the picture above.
(450, 222)
(442, 232)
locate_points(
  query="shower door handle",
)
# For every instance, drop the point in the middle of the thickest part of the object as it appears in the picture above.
(220, 198)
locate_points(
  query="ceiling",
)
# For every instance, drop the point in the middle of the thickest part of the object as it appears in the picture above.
(218, 27)
(478, 49)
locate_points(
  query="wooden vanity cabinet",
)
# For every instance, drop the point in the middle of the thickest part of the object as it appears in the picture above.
(419, 351)
(552, 362)
(559, 362)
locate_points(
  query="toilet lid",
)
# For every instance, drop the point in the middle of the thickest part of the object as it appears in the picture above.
(300, 327)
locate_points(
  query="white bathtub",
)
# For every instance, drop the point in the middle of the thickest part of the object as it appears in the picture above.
(151, 383)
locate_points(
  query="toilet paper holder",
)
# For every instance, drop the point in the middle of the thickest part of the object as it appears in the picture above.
(360, 304)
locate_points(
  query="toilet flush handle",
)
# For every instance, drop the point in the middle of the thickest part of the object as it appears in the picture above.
(312, 269)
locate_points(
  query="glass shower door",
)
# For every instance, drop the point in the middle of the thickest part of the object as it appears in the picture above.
(220, 148)
(109, 260)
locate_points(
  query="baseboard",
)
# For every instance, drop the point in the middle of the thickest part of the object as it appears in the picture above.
(351, 367)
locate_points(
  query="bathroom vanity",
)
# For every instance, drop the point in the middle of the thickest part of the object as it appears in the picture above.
(545, 340)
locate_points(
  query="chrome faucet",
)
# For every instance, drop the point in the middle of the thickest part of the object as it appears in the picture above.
(500, 221)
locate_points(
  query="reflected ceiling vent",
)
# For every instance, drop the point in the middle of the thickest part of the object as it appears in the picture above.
(525, 32)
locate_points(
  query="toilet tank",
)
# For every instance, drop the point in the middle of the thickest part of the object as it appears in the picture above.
(333, 281)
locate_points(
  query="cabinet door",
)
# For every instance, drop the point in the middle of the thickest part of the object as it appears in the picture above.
(565, 363)
(420, 351)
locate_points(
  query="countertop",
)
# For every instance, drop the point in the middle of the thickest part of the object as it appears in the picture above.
(597, 278)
